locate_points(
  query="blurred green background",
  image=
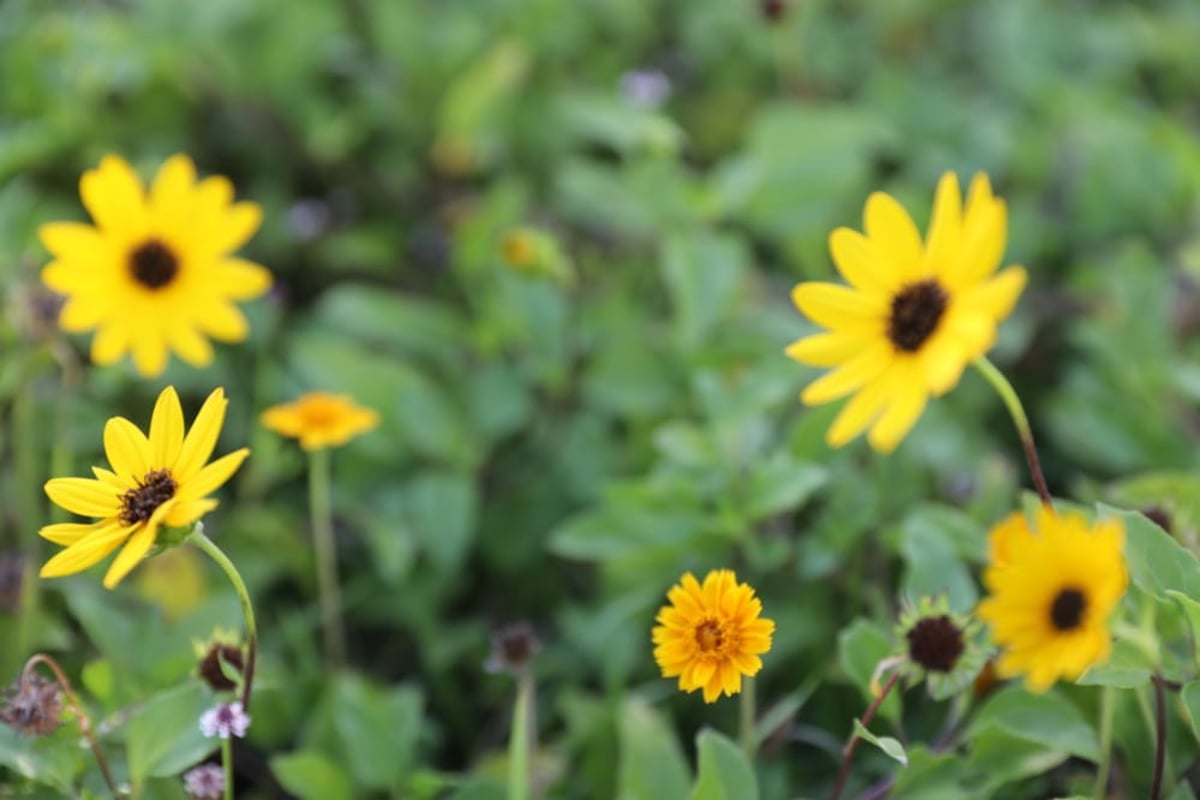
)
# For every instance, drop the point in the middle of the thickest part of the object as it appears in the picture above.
(561, 451)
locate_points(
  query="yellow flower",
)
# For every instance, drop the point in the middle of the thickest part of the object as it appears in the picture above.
(155, 273)
(320, 420)
(156, 481)
(1051, 593)
(711, 635)
(914, 314)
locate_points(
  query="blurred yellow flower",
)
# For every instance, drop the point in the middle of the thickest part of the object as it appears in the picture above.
(156, 481)
(913, 316)
(519, 248)
(1051, 593)
(154, 275)
(711, 635)
(319, 420)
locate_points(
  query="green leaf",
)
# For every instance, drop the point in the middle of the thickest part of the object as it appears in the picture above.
(860, 649)
(781, 484)
(309, 775)
(1191, 704)
(702, 271)
(1157, 563)
(1047, 720)
(651, 763)
(1126, 668)
(377, 730)
(724, 772)
(163, 736)
(1191, 612)
(931, 776)
(890, 747)
(441, 510)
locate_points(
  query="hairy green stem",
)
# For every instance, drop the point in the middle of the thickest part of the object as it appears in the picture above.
(520, 741)
(1013, 403)
(321, 510)
(227, 765)
(1107, 699)
(201, 541)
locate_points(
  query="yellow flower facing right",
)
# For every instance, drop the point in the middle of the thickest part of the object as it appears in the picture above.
(319, 420)
(915, 313)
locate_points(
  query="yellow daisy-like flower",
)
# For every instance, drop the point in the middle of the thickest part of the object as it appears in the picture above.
(319, 420)
(156, 481)
(711, 634)
(155, 274)
(1051, 593)
(914, 315)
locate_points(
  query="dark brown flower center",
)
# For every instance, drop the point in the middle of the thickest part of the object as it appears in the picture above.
(219, 659)
(935, 643)
(916, 310)
(138, 504)
(1067, 610)
(709, 636)
(153, 264)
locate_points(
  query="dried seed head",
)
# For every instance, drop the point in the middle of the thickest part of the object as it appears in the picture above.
(513, 647)
(32, 706)
(220, 665)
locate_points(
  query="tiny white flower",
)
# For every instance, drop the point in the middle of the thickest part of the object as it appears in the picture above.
(227, 719)
(205, 782)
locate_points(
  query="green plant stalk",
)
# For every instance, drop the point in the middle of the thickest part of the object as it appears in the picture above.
(520, 740)
(1015, 410)
(321, 512)
(201, 541)
(29, 487)
(1107, 700)
(227, 765)
(851, 745)
(748, 712)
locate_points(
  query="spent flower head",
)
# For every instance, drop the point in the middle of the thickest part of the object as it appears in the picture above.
(914, 314)
(155, 273)
(221, 660)
(33, 705)
(711, 634)
(513, 647)
(1052, 589)
(225, 720)
(156, 482)
(319, 420)
(939, 646)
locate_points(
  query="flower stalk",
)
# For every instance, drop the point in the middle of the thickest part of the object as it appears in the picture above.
(1107, 698)
(852, 743)
(227, 765)
(1013, 403)
(1160, 736)
(520, 742)
(321, 515)
(747, 713)
(209, 548)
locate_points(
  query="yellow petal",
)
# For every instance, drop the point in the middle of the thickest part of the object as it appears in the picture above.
(859, 262)
(83, 496)
(128, 450)
(112, 194)
(942, 362)
(166, 429)
(186, 512)
(945, 226)
(171, 193)
(863, 368)
(236, 227)
(841, 308)
(213, 476)
(223, 322)
(110, 344)
(898, 418)
(859, 412)
(68, 533)
(189, 344)
(826, 349)
(136, 548)
(81, 314)
(202, 438)
(149, 353)
(998, 296)
(72, 241)
(896, 239)
(85, 552)
(242, 280)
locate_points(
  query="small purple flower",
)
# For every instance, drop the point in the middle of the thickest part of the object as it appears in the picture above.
(645, 88)
(227, 719)
(205, 782)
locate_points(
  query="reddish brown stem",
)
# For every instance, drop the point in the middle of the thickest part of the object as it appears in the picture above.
(85, 722)
(1035, 468)
(852, 743)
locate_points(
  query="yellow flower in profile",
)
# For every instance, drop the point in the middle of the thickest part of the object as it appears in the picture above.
(160, 480)
(711, 634)
(155, 274)
(319, 420)
(1051, 593)
(914, 315)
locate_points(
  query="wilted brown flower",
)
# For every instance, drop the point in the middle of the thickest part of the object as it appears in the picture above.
(513, 647)
(32, 706)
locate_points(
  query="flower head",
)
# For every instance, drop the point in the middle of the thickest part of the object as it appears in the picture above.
(914, 315)
(221, 660)
(711, 635)
(154, 274)
(227, 719)
(205, 782)
(513, 647)
(1051, 594)
(939, 646)
(319, 420)
(33, 706)
(156, 481)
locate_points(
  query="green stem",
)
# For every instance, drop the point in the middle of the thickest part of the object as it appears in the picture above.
(520, 740)
(227, 765)
(1013, 403)
(746, 722)
(321, 511)
(1107, 698)
(200, 540)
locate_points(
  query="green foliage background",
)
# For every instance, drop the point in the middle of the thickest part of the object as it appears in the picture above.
(561, 453)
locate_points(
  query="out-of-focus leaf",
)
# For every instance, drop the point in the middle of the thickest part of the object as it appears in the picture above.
(651, 763)
(310, 775)
(163, 737)
(724, 773)
(860, 649)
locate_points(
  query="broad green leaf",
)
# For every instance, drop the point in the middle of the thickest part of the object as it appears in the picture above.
(163, 736)
(1191, 704)
(1126, 668)
(780, 484)
(931, 776)
(1191, 611)
(891, 747)
(651, 763)
(53, 760)
(860, 649)
(377, 729)
(1047, 720)
(702, 271)
(1157, 563)
(724, 773)
(310, 775)
(441, 511)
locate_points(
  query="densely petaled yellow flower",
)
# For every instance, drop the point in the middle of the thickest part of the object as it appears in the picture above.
(319, 420)
(913, 316)
(711, 635)
(1051, 593)
(155, 481)
(155, 274)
